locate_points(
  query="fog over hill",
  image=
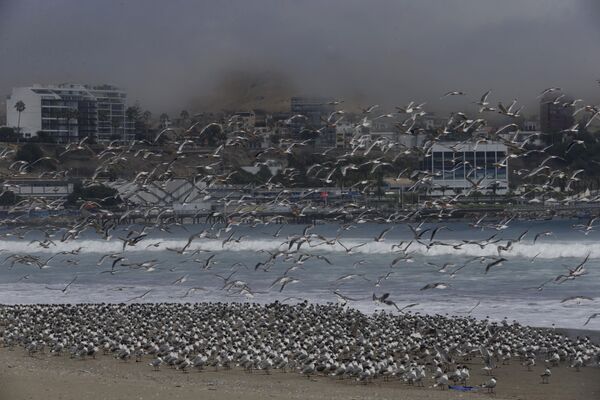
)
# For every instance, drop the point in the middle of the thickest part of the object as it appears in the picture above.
(240, 54)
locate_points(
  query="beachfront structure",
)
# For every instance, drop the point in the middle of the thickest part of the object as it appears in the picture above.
(69, 112)
(462, 167)
(46, 188)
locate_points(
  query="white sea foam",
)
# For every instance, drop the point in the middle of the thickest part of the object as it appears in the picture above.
(544, 250)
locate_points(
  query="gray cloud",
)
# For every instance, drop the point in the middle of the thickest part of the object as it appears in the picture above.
(168, 53)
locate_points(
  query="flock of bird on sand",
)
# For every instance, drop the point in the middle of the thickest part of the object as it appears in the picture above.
(333, 339)
(330, 340)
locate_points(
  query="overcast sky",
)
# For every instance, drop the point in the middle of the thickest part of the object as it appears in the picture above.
(166, 53)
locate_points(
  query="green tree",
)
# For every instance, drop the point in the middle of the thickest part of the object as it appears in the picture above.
(263, 174)
(29, 152)
(133, 113)
(214, 135)
(8, 198)
(147, 115)
(242, 177)
(8, 134)
(99, 193)
(134, 116)
(45, 137)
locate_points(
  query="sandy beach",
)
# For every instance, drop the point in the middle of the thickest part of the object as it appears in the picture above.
(46, 376)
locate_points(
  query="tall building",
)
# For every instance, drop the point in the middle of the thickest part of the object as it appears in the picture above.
(112, 118)
(315, 110)
(556, 114)
(70, 112)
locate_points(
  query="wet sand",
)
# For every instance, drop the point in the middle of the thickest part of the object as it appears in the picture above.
(59, 377)
(578, 333)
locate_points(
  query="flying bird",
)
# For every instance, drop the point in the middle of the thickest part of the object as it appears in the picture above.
(437, 285)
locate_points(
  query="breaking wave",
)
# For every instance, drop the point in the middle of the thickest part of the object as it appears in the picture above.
(544, 250)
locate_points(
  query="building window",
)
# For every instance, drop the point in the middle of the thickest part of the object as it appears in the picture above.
(501, 173)
(479, 164)
(438, 165)
(459, 166)
(448, 165)
(469, 164)
(490, 168)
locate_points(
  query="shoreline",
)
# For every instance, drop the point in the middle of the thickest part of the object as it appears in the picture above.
(218, 351)
(45, 376)
(593, 335)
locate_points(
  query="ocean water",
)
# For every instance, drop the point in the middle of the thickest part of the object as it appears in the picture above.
(506, 291)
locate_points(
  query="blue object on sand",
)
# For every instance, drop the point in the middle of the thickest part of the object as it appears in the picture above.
(463, 388)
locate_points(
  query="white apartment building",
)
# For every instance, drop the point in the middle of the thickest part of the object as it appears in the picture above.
(69, 112)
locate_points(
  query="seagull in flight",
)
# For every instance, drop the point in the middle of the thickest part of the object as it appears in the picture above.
(66, 287)
(549, 90)
(343, 299)
(381, 236)
(140, 296)
(494, 264)
(349, 250)
(437, 285)
(454, 93)
(594, 315)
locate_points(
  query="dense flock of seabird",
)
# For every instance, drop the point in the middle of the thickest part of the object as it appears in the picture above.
(328, 340)
(312, 339)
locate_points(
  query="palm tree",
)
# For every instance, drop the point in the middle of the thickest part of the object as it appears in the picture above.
(145, 121)
(184, 115)
(133, 115)
(20, 107)
(146, 115)
(164, 117)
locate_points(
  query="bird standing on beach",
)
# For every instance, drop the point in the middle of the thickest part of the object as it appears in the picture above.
(490, 385)
(546, 375)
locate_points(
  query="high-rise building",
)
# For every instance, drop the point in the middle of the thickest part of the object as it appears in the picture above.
(315, 110)
(556, 114)
(69, 112)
